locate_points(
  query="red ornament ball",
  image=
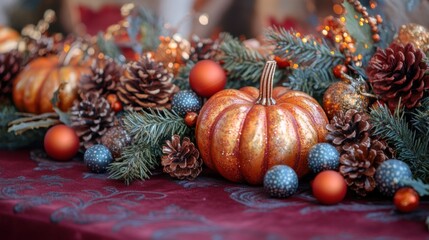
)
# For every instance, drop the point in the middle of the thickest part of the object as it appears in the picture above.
(329, 187)
(282, 62)
(207, 78)
(339, 70)
(191, 119)
(117, 107)
(406, 200)
(61, 142)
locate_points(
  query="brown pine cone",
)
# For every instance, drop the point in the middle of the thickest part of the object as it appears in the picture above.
(203, 49)
(104, 78)
(116, 139)
(10, 66)
(346, 129)
(359, 162)
(181, 159)
(146, 84)
(91, 118)
(398, 74)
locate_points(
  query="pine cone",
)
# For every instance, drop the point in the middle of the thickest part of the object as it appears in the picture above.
(203, 49)
(146, 84)
(91, 118)
(103, 80)
(181, 159)
(398, 74)
(10, 66)
(359, 163)
(346, 129)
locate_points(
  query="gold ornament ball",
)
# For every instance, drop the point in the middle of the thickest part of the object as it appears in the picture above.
(173, 52)
(414, 34)
(342, 96)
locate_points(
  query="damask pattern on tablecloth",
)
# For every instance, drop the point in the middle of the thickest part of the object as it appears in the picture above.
(77, 203)
(164, 208)
(44, 163)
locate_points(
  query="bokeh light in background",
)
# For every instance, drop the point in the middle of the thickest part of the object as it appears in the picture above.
(203, 17)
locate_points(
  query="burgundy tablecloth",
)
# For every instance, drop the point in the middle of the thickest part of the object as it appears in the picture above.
(44, 200)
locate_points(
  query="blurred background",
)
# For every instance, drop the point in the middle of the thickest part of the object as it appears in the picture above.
(244, 18)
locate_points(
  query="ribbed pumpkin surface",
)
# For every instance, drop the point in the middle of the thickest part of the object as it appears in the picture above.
(241, 138)
(34, 87)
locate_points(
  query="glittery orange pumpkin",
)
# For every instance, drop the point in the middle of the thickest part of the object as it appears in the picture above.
(34, 87)
(9, 39)
(242, 133)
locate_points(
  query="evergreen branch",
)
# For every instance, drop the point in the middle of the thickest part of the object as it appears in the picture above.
(110, 49)
(420, 118)
(410, 147)
(421, 188)
(148, 129)
(182, 80)
(241, 62)
(311, 81)
(303, 51)
(149, 25)
(136, 162)
(153, 125)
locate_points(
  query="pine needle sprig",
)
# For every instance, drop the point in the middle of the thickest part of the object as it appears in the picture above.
(148, 129)
(182, 80)
(303, 51)
(420, 118)
(421, 188)
(145, 22)
(410, 147)
(136, 162)
(152, 125)
(110, 49)
(311, 81)
(241, 62)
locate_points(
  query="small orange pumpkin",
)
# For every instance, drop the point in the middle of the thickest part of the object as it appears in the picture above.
(242, 133)
(34, 87)
(9, 39)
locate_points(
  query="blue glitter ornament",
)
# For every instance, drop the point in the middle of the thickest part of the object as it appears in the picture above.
(390, 176)
(323, 156)
(97, 158)
(281, 181)
(186, 101)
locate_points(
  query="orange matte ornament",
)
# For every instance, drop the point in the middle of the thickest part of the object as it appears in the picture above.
(243, 133)
(329, 187)
(207, 78)
(61, 142)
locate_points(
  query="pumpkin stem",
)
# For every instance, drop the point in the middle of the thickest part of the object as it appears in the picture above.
(266, 85)
(69, 53)
(359, 84)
